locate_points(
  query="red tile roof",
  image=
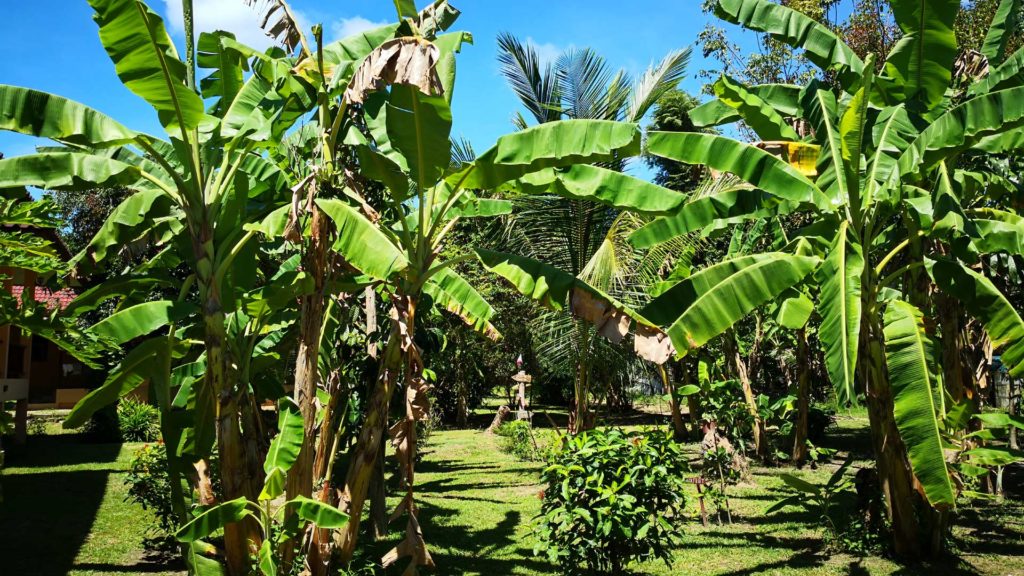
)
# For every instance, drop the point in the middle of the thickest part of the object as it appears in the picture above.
(51, 298)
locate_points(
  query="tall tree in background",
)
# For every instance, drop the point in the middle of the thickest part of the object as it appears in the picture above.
(580, 237)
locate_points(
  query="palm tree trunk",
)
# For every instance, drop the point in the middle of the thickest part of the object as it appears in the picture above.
(581, 418)
(678, 427)
(803, 360)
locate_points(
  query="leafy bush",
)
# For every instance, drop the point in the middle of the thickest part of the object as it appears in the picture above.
(522, 441)
(149, 484)
(138, 421)
(612, 498)
(103, 426)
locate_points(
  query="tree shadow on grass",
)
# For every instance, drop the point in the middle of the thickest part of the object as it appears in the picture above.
(46, 516)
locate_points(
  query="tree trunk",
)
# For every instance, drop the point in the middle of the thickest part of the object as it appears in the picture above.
(803, 400)
(581, 418)
(894, 475)
(760, 433)
(678, 427)
(364, 455)
(307, 373)
(378, 497)
(221, 380)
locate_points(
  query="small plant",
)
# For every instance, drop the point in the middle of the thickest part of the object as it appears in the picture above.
(138, 421)
(517, 439)
(521, 440)
(612, 498)
(148, 484)
(831, 503)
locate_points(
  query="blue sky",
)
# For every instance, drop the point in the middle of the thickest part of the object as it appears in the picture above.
(53, 45)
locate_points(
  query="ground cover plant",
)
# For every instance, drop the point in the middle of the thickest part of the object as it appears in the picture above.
(796, 348)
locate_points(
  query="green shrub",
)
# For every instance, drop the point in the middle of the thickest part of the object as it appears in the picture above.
(516, 438)
(138, 421)
(522, 441)
(612, 498)
(149, 484)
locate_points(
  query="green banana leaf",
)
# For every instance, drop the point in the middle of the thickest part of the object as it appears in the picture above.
(130, 220)
(536, 280)
(998, 231)
(1003, 22)
(147, 62)
(135, 368)
(795, 311)
(784, 98)
(361, 243)
(920, 65)
(418, 127)
(452, 292)
(227, 65)
(840, 306)
(961, 128)
(1009, 74)
(910, 358)
(981, 298)
(284, 448)
(319, 514)
(729, 204)
(141, 319)
(615, 189)
(758, 114)
(710, 301)
(821, 46)
(549, 145)
(751, 164)
(48, 116)
(213, 519)
(74, 171)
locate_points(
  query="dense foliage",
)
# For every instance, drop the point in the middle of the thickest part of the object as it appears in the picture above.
(611, 498)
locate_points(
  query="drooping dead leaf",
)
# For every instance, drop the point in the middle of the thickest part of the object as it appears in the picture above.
(436, 18)
(610, 322)
(652, 344)
(408, 61)
(413, 546)
(278, 22)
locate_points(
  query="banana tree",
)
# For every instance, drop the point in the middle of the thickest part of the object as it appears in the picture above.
(887, 208)
(197, 186)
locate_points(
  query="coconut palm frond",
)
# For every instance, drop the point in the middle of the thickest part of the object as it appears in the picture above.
(532, 83)
(583, 79)
(655, 82)
(462, 152)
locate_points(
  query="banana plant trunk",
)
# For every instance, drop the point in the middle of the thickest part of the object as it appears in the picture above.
(803, 398)
(894, 473)
(307, 373)
(760, 433)
(364, 455)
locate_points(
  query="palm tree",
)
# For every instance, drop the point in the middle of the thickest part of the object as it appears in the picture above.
(580, 237)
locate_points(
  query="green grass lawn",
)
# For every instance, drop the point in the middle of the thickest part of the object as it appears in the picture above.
(65, 513)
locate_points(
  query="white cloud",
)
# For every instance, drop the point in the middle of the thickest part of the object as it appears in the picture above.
(230, 15)
(547, 51)
(349, 26)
